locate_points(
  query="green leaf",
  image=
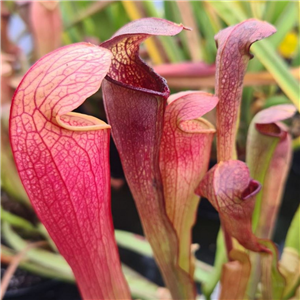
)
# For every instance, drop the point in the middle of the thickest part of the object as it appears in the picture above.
(139, 244)
(274, 10)
(207, 30)
(117, 15)
(220, 259)
(285, 23)
(17, 221)
(52, 265)
(276, 100)
(36, 268)
(279, 69)
(171, 48)
(230, 12)
(133, 242)
(40, 256)
(247, 7)
(292, 238)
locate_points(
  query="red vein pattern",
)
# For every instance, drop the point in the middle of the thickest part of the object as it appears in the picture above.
(231, 191)
(135, 108)
(62, 159)
(231, 62)
(184, 158)
(127, 68)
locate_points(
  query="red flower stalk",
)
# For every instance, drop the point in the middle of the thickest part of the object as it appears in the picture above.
(232, 59)
(62, 159)
(135, 99)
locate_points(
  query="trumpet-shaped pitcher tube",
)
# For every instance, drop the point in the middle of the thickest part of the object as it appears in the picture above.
(231, 63)
(184, 158)
(135, 99)
(63, 161)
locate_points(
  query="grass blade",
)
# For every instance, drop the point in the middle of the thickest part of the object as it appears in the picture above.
(273, 10)
(278, 68)
(285, 23)
(264, 51)
(134, 13)
(193, 37)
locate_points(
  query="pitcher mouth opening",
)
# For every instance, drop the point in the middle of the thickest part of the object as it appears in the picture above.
(252, 189)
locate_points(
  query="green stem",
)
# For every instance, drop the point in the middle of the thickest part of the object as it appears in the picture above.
(140, 245)
(124, 239)
(94, 8)
(292, 238)
(48, 264)
(37, 268)
(43, 231)
(215, 275)
(10, 181)
(45, 258)
(17, 221)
